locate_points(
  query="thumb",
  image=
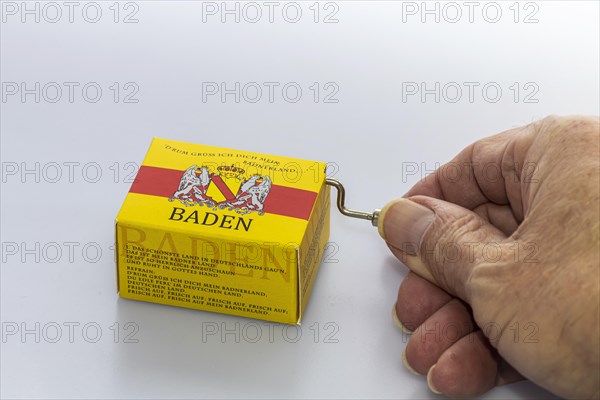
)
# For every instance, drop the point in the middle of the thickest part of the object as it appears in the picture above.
(439, 241)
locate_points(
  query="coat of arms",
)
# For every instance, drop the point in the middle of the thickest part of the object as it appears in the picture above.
(226, 189)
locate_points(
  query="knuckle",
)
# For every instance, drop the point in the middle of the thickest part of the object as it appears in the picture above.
(460, 227)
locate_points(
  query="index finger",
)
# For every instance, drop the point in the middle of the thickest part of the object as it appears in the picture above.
(487, 171)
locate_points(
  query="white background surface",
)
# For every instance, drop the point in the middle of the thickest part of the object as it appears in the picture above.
(372, 135)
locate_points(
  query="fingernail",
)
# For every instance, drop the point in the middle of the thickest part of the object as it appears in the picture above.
(404, 224)
(398, 323)
(430, 383)
(408, 367)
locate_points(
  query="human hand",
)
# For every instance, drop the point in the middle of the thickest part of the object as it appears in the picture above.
(503, 244)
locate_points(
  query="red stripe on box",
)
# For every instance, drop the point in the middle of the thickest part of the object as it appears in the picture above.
(154, 181)
(282, 200)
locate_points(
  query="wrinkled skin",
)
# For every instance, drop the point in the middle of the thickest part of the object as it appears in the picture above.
(503, 247)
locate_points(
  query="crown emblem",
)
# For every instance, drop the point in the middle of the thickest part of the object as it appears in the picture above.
(230, 171)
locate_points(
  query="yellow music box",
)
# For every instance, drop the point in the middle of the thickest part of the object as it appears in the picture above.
(223, 230)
